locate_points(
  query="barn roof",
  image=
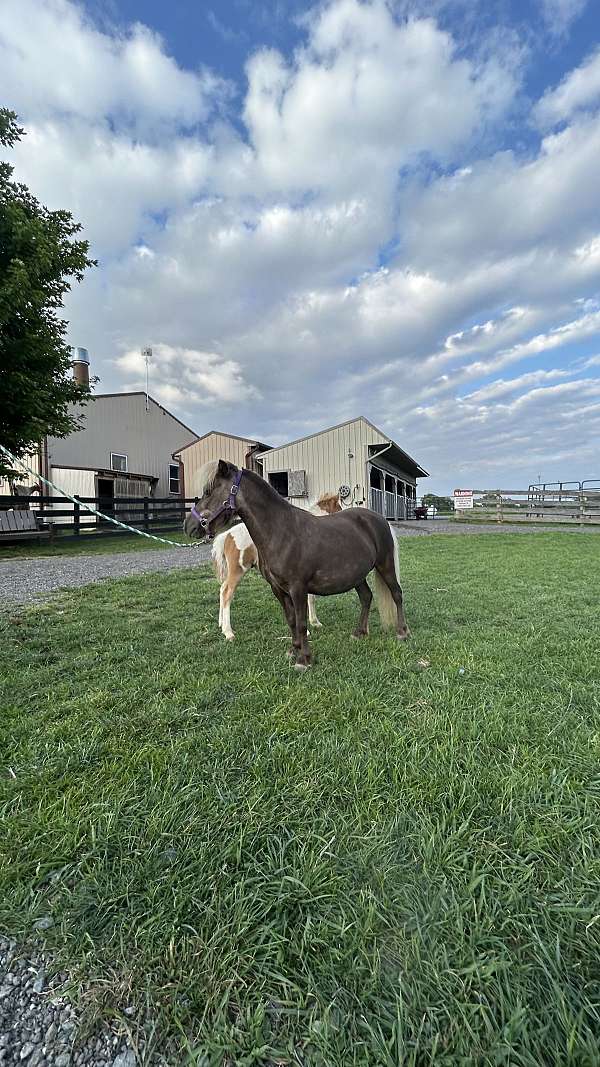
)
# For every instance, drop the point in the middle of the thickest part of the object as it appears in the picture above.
(232, 436)
(394, 450)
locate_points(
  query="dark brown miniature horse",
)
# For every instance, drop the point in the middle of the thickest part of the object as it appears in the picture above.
(299, 553)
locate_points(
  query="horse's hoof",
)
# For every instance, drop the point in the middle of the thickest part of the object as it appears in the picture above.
(358, 636)
(403, 636)
(302, 666)
(317, 625)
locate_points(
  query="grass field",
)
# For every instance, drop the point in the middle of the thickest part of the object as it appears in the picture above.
(380, 862)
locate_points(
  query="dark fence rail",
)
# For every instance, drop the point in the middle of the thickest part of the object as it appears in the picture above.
(71, 518)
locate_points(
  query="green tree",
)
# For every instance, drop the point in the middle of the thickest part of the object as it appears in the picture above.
(38, 260)
(440, 503)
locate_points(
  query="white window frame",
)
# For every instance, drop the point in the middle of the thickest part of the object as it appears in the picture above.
(119, 455)
(178, 469)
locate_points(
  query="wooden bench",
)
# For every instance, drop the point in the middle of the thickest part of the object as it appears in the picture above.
(20, 524)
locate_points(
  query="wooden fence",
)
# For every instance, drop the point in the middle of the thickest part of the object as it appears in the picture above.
(151, 514)
(580, 506)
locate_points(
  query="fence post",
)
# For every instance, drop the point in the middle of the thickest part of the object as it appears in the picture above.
(146, 515)
(581, 508)
(76, 517)
(498, 506)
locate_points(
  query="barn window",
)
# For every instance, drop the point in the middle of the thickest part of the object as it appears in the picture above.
(279, 481)
(174, 486)
(118, 462)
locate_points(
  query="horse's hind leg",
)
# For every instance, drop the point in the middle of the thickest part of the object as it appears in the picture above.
(303, 655)
(312, 611)
(366, 597)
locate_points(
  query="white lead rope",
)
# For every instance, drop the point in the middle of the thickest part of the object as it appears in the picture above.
(88, 507)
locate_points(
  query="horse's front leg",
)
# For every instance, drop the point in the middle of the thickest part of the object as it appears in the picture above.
(288, 609)
(304, 655)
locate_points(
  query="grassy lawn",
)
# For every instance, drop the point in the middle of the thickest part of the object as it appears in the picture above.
(87, 545)
(377, 863)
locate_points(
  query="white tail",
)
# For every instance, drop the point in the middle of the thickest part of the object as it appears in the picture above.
(386, 606)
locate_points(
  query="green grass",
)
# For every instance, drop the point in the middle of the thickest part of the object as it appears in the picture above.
(87, 544)
(375, 863)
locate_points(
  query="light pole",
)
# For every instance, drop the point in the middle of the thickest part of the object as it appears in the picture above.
(147, 356)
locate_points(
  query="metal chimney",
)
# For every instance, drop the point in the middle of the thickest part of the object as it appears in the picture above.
(81, 366)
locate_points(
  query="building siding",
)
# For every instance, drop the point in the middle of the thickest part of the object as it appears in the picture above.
(213, 446)
(325, 459)
(30, 459)
(121, 424)
(77, 483)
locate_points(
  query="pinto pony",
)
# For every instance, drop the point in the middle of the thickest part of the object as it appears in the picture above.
(299, 553)
(234, 554)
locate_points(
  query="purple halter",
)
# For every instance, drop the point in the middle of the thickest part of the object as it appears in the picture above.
(227, 505)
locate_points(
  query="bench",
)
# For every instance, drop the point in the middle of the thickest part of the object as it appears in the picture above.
(20, 524)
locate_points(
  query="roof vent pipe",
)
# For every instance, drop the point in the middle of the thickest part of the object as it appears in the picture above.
(81, 366)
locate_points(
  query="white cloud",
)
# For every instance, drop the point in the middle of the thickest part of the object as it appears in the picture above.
(187, 376)
(365, 97)
(352, 242)
(53, 61)
(580, 89)
(559, 15)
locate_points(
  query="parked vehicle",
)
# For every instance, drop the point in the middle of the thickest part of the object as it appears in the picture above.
(421, 511)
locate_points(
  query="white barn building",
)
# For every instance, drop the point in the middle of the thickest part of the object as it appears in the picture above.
(366, 465)
(124, 449)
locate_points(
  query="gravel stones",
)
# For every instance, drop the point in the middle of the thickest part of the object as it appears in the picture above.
(23, 581)
(41, 1027)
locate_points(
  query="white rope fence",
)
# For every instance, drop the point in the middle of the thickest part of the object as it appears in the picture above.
(88, 507)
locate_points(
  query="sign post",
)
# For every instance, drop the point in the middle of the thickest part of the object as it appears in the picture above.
(463, 499)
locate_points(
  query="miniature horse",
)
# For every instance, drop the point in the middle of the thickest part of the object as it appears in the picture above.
(234, 554)
(299, 553)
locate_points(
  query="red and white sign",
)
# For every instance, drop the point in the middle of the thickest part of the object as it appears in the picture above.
(463, 499)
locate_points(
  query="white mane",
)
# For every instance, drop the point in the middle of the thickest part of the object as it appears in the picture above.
(204, 479)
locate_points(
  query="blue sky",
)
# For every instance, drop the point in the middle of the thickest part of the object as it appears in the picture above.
(317, 211)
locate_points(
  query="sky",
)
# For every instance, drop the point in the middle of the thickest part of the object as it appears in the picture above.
(315, 212)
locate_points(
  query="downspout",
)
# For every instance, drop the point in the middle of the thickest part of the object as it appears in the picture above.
(45, 464)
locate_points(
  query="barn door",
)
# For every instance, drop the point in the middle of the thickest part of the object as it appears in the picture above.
(296, 483)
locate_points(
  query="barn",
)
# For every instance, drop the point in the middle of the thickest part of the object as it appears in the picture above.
(123, 449)
(365, 464)
(242, 451)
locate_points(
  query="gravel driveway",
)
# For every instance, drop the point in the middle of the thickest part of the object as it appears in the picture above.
(23, 581)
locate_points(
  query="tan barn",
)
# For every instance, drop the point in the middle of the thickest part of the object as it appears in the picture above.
(123, 449)
(368, 468)
(215, 445)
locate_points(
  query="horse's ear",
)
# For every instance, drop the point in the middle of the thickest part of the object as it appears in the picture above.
(224, 468)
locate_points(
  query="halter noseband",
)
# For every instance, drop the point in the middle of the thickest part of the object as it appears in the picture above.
(227, 505)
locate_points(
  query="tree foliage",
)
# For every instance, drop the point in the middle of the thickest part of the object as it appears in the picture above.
(440, 503)
(39, 259)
